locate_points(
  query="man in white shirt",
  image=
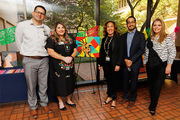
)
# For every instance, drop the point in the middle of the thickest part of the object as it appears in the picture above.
(31, 38)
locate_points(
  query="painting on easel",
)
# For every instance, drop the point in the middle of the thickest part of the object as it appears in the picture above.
(88, 46)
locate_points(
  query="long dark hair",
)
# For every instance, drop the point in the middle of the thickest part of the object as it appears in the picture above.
(105, 28)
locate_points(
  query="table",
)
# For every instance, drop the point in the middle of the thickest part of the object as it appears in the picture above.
(175, 70)
(12, 86)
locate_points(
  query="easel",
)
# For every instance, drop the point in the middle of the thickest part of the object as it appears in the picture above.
(91, 73)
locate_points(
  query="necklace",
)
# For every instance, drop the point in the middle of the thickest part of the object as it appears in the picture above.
(67, 47)
(107, 50)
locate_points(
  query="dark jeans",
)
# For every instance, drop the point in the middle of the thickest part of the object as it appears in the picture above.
(127, 76)
(112, 80)
(156, 77)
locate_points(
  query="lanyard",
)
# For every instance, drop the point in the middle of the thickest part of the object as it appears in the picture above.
(108, 44)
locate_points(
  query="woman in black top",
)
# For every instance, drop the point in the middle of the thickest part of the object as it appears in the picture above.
(62, 50)
(111, 57)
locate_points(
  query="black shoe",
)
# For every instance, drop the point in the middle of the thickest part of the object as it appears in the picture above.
(63, 109)
(106, 102)
(72, 105)
(152, 112)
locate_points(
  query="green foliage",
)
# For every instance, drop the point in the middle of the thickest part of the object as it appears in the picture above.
(77, 14)
(165, 9)
(73, 13)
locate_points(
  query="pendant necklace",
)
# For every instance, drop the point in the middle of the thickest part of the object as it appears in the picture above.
(107, 50)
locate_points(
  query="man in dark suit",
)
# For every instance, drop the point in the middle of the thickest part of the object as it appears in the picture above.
(134, 49)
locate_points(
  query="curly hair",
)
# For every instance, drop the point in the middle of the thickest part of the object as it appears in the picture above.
(105, 28)
(163, 34)
(66, 36)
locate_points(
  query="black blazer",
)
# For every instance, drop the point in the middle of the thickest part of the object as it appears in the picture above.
(137, 49)
(117, 51)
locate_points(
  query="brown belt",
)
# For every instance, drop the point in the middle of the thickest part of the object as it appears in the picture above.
(36, 57)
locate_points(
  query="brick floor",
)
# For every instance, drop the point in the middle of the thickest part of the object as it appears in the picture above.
(89, 107)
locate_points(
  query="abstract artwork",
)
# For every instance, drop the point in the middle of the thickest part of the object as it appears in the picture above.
(9, 59)
(88, 46)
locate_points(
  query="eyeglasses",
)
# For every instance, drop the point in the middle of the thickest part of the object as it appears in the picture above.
(38, 12)
(129, 22)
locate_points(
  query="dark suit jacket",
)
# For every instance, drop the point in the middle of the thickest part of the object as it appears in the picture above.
(136, 50)
(117, 51)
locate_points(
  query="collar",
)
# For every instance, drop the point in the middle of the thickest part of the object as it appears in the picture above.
(39, 26)
(132, 31)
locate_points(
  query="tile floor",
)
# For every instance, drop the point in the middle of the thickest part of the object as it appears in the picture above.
(89, 106)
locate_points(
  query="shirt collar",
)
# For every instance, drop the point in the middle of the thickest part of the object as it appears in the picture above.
(132, 32)
(40, 26)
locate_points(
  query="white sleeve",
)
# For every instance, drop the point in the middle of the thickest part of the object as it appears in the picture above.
(146, 54)
(171, 49)
(19, 35)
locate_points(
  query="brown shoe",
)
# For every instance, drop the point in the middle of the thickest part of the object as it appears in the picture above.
(123, 101)
(131, 104)
(34, 113)
(46, 109)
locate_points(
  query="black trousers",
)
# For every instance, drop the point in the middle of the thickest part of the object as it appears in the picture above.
(127, 76)
(112, 80)
(156, 77)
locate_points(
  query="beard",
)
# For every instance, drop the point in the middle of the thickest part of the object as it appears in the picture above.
(131, 28)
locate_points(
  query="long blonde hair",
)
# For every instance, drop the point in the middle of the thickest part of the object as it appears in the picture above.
(66, 36)
(162, 34)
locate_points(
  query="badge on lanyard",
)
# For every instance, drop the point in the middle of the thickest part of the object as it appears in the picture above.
(107, 58)
(61, 43)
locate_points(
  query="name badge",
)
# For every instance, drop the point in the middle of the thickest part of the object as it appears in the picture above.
(107, 58)
(61, 43)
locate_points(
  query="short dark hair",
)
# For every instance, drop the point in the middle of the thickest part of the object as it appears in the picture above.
(130, 17)
(40, 7)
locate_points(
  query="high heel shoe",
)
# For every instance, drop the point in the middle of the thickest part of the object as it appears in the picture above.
(113, 106)
(152, 112)
(63, 109)
(104, 103)
(72, 105)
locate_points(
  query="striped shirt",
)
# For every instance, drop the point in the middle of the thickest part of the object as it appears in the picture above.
(166, 50)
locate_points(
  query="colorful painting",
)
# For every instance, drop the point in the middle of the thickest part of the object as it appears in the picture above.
(88, 46)
(93, 32)
(9, 59)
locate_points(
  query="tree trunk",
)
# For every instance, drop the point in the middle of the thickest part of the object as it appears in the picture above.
(150, 12)
(148, 17)
(77, 28)
(131, 7)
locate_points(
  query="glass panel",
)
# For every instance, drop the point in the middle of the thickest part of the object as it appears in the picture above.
(77, 15)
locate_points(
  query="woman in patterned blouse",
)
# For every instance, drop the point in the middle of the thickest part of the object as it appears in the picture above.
(165, 48)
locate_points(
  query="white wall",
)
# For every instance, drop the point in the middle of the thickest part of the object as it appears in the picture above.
(8, 12)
